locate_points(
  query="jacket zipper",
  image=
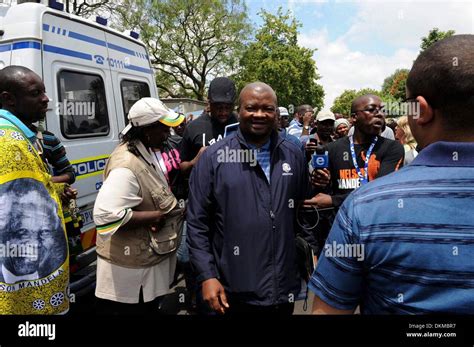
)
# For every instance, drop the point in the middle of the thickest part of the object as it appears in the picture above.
(272, 217)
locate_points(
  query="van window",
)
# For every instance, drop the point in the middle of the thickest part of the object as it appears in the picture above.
(82, 105)
(132, 91)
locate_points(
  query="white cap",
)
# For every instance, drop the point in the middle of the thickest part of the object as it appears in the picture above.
(283, 111)
(341, 121)
(325, 115)
(147, 111)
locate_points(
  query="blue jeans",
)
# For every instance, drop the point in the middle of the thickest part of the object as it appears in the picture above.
(183, 251)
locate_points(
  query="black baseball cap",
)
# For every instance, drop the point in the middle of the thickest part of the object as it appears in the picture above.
(221, 90)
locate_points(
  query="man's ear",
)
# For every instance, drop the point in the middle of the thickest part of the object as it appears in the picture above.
(7, 99)
(425, 113)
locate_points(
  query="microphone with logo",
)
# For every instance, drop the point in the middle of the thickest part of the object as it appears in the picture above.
(320, 159)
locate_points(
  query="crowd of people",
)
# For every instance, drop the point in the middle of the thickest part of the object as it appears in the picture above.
(220, 198)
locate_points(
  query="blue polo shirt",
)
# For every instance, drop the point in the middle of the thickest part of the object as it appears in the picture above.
(295, 128)
(404, 243)
(263, 157)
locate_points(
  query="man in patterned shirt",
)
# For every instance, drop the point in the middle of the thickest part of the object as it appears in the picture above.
(34, 257)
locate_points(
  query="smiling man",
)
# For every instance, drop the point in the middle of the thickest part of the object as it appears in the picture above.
(241, 217)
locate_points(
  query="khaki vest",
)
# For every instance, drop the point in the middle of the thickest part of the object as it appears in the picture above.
(130, 247)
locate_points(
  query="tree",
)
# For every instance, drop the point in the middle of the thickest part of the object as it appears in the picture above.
(394, 84)
(434, 36)
(342, 104)
(188, 40)
(85, 8)
(276, 59)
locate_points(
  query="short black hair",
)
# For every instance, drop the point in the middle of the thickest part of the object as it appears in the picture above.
(9, 78)
(444, 75)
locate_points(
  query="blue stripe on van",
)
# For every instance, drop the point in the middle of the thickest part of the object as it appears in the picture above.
(95, 41)
(68, 52)
(5, 48)
(138, 68)
(120, 49)
(26, 44)
(86, 38)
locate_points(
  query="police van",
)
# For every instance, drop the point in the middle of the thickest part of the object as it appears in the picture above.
(93, 75)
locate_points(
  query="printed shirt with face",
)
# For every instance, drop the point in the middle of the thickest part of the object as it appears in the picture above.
(47, 291)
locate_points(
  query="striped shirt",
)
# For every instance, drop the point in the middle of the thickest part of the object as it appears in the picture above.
(263, 158)
(295, 129)
(55, 155)
(404, 243)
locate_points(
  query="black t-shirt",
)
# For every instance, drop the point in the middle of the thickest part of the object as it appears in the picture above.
(387, 156)
(204, 131)
(172, 159)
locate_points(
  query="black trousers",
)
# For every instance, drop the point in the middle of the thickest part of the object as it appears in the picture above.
(238, 308)
(109, 307)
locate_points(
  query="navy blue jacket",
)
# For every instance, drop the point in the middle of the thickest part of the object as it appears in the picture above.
(241, 229)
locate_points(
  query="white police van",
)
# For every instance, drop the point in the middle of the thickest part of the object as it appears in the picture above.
(93, 74)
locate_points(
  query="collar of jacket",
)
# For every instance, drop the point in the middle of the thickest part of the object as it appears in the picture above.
(144, 153)
(275, 139)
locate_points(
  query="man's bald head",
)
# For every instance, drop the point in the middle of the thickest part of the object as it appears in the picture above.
(444, 75)
(257, 87)
(22, 92)
(361, 100)
(257, 112)
(12, 77)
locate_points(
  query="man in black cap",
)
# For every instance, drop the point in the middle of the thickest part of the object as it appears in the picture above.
(209, 128)
(198, 135)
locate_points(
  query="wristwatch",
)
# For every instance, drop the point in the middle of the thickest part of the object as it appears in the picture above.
(306, 127)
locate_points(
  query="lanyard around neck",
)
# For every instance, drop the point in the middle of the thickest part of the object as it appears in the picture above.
(363, 178)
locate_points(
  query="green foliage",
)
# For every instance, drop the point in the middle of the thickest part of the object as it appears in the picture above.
(276, 59)
(189, 41)
(394, 84)
(434, 36)
(342, 104)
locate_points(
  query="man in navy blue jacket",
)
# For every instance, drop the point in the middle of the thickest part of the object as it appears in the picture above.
(242, 213)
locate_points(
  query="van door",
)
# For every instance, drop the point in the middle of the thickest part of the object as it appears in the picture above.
(132, 76)
(79, 81)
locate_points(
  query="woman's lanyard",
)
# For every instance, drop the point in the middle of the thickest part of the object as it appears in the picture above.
(363, 178)
(162, 166)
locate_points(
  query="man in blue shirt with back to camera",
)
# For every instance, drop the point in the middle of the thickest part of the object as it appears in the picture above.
(404, 243)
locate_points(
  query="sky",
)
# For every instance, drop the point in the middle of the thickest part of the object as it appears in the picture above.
(360, 43)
